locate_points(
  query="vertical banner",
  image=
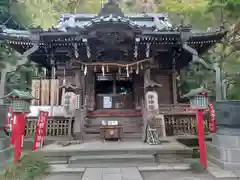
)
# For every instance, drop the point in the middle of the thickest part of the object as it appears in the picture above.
(40, 130)
(18, 125)
(201, 139)
(212, 122)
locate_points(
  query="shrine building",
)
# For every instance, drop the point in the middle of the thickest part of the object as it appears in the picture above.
(110, 60)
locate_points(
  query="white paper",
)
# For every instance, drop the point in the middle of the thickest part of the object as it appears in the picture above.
(107, 102)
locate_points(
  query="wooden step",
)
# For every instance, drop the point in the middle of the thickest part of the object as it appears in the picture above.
(122, 120)
(131, 124)
(96, 129)
(114, 112)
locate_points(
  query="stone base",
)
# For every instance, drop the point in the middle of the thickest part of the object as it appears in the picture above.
(224, 151)
(6, 152)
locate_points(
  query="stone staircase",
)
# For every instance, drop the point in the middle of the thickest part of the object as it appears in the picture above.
(111, 160)
(130, 120)
(117, 154)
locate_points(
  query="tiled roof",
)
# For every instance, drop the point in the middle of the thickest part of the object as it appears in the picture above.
(157, 22)
(20, 94)
(195, 92)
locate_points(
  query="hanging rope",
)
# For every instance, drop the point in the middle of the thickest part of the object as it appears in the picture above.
(113, 64)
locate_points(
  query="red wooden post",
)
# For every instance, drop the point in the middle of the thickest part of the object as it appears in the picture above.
(201, 139)
(18, 133)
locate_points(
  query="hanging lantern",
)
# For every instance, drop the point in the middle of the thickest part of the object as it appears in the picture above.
(127, 71)
(119, 70)
(53, 73)
(85, 70)
(103, 71)
(141, 66)
(137, 70)
(82, 67)
(131, 69)
(107, 69)
(95, 68)
(76, 50)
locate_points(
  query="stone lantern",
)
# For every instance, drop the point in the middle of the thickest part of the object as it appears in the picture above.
(198, 98)
(19, 101)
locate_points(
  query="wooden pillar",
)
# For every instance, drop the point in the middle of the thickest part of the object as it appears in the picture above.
(144, 111)
(219, 92)
(90, 90)
(138, 84)
(147, 77)
(174, 86)
(2, 84)
(79, 113)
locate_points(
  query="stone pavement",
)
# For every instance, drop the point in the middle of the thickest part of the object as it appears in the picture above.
(163, 171)
(160, 175)
(130, 173)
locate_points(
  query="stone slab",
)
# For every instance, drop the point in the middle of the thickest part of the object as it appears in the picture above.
(218, 172)
(4, 143)
(226, 141)
(227, 158)
(6, 154)
(63, 168)
(130, 173)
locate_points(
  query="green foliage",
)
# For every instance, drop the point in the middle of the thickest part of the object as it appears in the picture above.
(196, 166)
(201, 14)
(30, 167)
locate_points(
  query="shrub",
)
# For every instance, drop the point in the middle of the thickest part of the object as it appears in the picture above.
(30, 167)
(196, 167)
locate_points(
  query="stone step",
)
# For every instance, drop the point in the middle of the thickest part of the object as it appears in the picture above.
(116, 160)
(127, 136)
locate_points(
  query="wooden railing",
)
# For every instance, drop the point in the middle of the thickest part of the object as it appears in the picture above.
(175, 109)
(176, 122)
(56, 126)
(180, 124)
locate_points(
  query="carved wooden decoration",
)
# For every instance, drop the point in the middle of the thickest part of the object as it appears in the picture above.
(147, 80)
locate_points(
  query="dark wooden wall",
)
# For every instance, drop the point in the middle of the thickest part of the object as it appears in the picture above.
(165, 93)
